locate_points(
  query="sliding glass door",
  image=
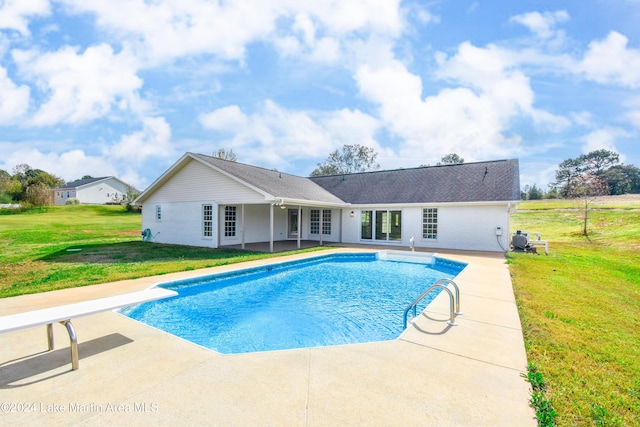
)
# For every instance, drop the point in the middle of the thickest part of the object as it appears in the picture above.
(386, 223)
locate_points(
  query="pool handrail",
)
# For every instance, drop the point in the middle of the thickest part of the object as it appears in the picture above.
(453, 301)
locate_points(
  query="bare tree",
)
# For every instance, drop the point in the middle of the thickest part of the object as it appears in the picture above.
(352, 159)
(588, 187)
(226, 155)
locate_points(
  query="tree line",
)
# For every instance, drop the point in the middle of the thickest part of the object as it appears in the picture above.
(589, 175)
(27, 185)
(597, 173)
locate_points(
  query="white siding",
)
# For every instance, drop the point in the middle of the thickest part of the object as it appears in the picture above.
(180, 223)
(102, 192)
(335, 225)
(61, 196)
(197, 182)
(110, 190)
(464, 227)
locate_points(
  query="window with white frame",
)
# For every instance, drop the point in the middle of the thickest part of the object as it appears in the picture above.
(230, 218)
(315, 221)
(158, 213)
(430, 223)
(326, 222)
(207, 220)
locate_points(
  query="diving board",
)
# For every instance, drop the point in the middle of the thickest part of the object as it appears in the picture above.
(64, 313)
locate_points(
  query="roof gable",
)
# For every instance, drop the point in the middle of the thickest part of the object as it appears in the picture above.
(271, 183)
(465, 182)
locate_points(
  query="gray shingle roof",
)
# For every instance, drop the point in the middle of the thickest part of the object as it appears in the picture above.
(81, 182)
(272, 182)
(466, 182)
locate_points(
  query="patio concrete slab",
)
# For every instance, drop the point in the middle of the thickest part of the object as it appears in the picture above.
(131, 374)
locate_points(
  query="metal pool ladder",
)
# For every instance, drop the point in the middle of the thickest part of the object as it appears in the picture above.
(453, 301)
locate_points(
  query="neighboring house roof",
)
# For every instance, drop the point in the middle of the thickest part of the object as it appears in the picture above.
(84, 182)
(81, 182)
(467, 182)
(464, 182)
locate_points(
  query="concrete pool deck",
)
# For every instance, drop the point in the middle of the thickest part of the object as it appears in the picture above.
(131, 374)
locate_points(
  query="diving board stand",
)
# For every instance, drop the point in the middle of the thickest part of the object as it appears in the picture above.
(64, 313)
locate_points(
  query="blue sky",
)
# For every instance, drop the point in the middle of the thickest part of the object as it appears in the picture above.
(125, 87)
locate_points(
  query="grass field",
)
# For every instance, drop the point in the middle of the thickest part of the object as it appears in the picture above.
(70, 246)
(579, 306)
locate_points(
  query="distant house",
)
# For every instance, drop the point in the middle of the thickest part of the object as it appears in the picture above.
(97, 191)
(207, 201)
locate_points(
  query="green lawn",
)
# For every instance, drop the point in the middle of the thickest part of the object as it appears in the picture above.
(580, 310)
(69, 246)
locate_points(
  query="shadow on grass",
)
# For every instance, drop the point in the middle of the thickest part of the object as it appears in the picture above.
(133, 252)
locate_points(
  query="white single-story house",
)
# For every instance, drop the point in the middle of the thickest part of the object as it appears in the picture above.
(206, 201)
(96, 191)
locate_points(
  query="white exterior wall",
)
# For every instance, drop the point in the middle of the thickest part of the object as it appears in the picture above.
(97, 193)
(60, 197)
(196, 182)
(181, 199)
(335, 235)
(464, 227)
(256, 224)
(180, 224)
(102, 192)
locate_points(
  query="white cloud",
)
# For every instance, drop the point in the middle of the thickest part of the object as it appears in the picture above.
(603, 138)
(472, 117)
(81, 86)
(611, 61)
(14, 14)
(633, 117)
(226, 119)
(542, 24)
(168, 29)
(274, 136)
(68, 165)
(153, 140)
(14, 100)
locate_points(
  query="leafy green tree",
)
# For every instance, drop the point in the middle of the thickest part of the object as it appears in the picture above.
(535, 193)
(573, 174)
(582, 178)
(622, 179)
(32, 185)
(451, 159)
(351, 159)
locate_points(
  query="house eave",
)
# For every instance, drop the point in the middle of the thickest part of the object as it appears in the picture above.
(422, 204)
(311, 203)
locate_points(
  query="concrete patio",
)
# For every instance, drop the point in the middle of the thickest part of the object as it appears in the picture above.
(131, 374)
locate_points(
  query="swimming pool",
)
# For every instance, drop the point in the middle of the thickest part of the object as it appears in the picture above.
(323, 300)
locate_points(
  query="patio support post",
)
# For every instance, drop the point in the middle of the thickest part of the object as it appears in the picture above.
(299, 224)
(321, 218)
(271, 228)
(242, 226)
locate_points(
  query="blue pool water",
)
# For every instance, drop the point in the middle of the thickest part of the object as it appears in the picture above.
(327, 300)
